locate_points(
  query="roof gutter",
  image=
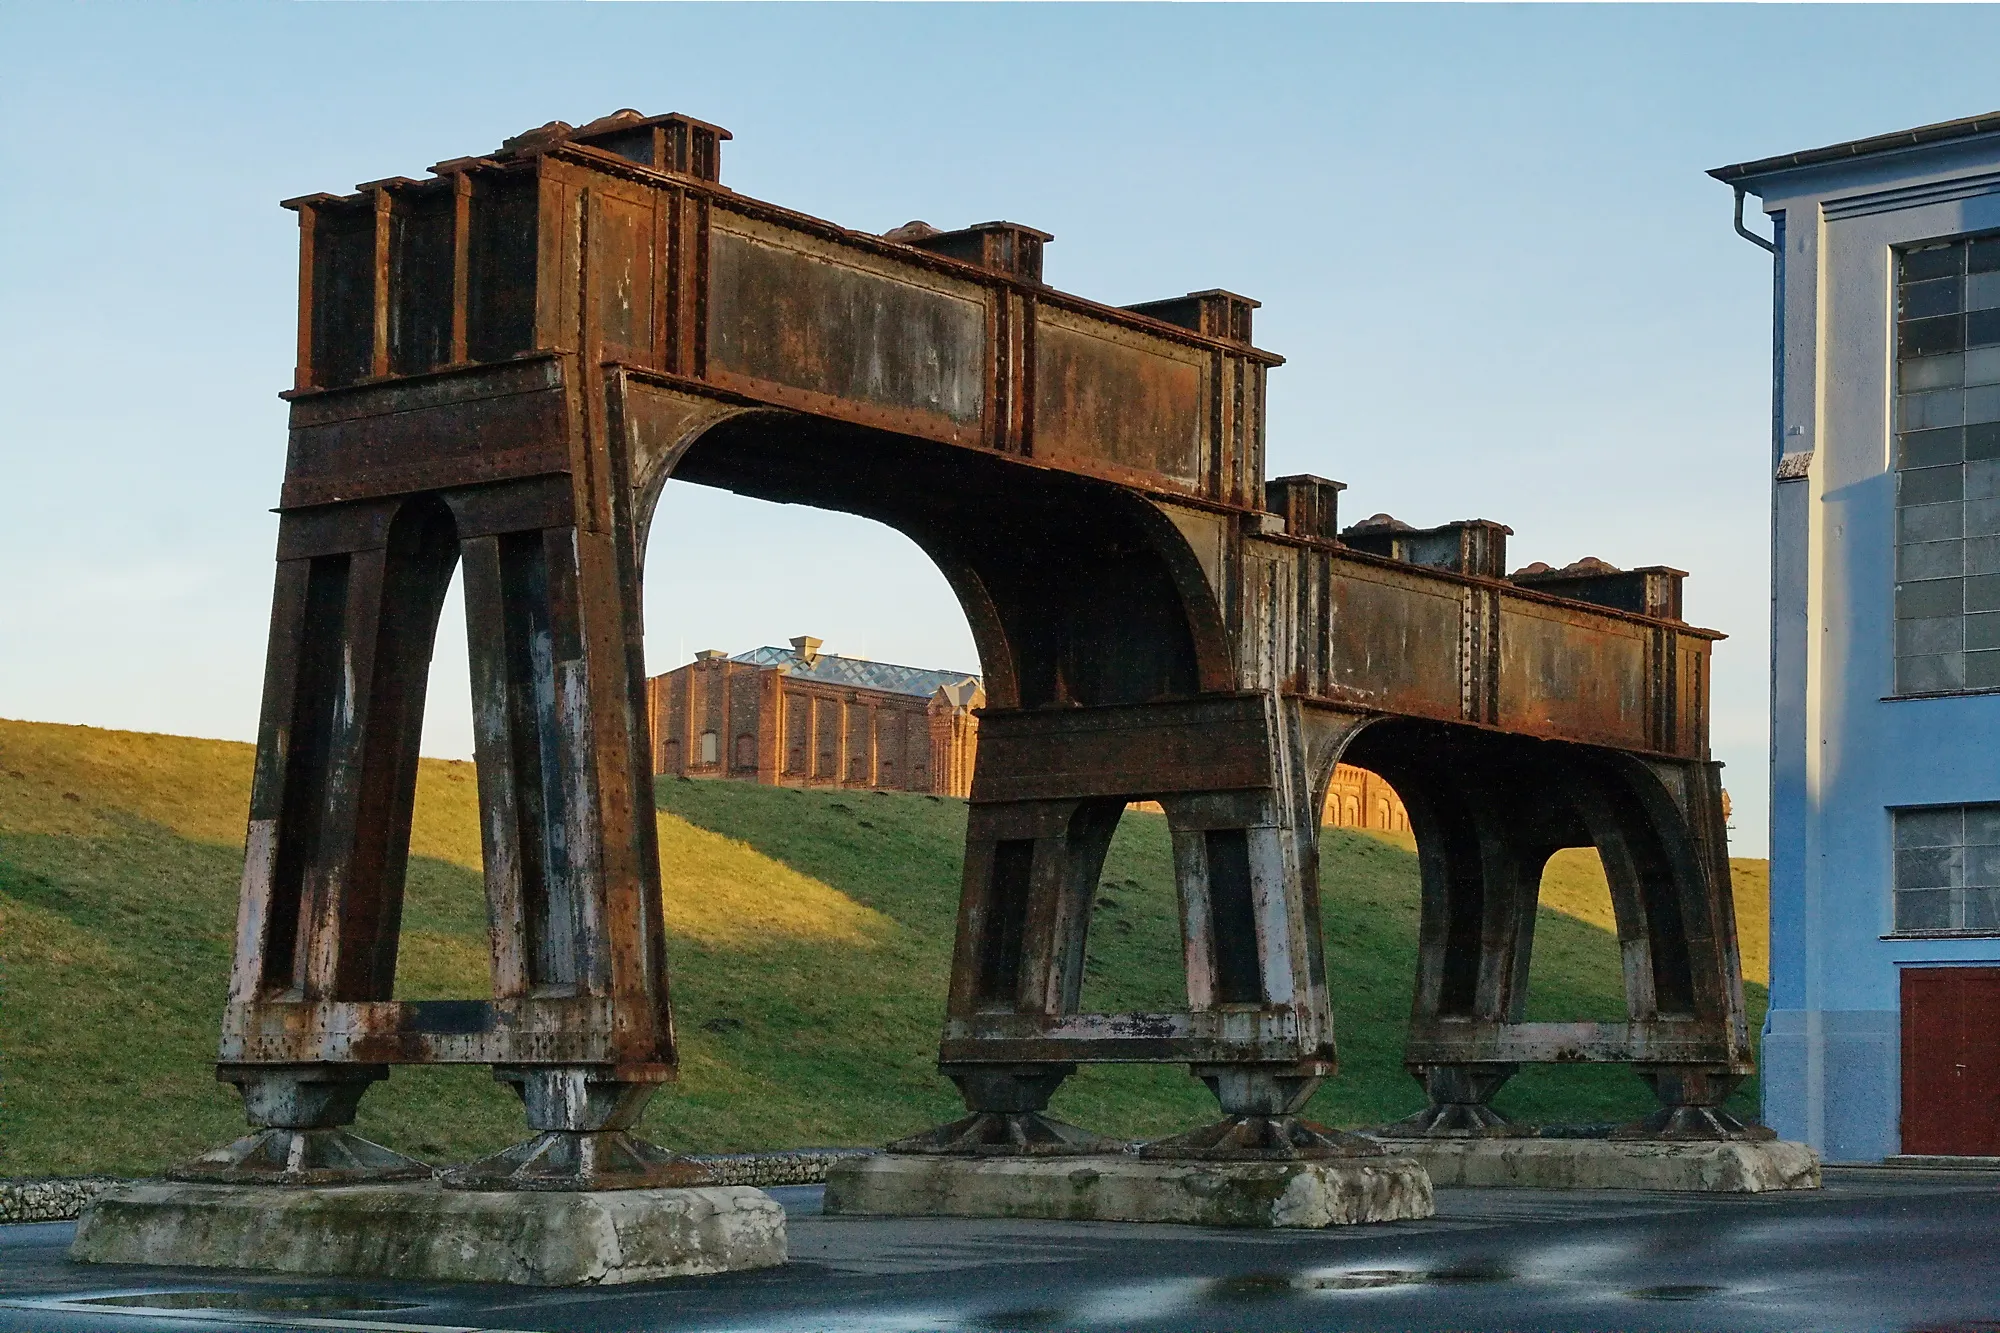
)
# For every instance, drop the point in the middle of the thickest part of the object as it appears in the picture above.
(1968, 128)
(1745, 232)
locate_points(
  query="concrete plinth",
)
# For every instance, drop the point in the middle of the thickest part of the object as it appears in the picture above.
(420, 1231)
(1337, 1192)
(1610, 1164)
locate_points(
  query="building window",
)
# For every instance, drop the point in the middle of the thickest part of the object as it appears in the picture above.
(746, 750)
(1948, 870)
(711, 747)
(1948, 467)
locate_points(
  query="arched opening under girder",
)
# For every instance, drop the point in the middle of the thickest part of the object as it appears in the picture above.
(798, 646)
(1488, 812)
(1077, 593)
(1357, 798)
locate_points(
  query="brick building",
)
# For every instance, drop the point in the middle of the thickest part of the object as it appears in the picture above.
(1357, 798)
(799, 717)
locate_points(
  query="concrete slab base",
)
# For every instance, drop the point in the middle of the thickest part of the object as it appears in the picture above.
(420, 1231)
(1609, 1164)
(1338, 1192)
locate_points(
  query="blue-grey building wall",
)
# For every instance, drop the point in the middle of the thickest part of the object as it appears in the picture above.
(1844, 752)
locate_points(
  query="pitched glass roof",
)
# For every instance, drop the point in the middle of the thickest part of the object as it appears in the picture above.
(858, 672)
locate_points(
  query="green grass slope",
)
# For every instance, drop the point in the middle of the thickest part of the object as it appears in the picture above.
(811, 936)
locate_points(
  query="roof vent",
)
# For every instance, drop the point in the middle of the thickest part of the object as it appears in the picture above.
(806, 649)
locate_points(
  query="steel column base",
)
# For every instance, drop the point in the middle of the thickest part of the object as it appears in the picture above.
(1006, 1134)
(1693, 1124)
(570, 1160)
(1260, 1138)
(1461, 1104)
(282, 1156)
(1455, 1120)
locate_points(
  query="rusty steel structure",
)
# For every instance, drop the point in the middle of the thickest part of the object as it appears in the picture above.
(502, 365)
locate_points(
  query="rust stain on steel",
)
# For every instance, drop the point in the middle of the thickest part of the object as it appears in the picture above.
(1394, 642)
(1122, 404)
(786, 319)
(502, 365)
(1573, 676)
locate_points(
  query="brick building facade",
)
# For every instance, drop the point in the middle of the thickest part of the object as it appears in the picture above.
(1357, 798)
(799, 717)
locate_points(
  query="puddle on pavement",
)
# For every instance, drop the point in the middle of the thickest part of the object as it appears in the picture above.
(1264, 1286)
(1361, 1279)
(1690, 1292)
(1016, 1321)
(1252, 1286)
(1469, 1273)
(243, 1300)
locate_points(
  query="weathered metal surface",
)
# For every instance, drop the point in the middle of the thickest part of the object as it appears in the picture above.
(577, 1029)
(1120, 403)
(401, 437)
(1660, 1039)
(1244, 1032)
(1215, 744)
(502, 366)
(1393, 642)
(805, 323)
(1564, 675)
(937, 339)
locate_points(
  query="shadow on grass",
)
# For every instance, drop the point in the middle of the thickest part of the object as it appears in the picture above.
(114, 954)
(1370, 903)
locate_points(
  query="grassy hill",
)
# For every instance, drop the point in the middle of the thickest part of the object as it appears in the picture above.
(811, 934)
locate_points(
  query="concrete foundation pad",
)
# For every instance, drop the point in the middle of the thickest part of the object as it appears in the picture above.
(1337, 1192)
(1609, 1164)
(420, 1231)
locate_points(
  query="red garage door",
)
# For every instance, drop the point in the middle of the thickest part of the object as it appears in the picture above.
(1951, 1060)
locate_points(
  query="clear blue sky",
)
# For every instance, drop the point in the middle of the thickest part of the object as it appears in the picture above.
(1481, 234)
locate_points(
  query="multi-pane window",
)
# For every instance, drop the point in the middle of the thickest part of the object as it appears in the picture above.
(1948, 467)
(1948, 869)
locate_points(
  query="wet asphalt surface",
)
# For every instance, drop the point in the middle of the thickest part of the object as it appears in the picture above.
(1875, 1250)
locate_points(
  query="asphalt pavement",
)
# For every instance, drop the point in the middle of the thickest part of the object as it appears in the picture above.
(1875, 1250)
